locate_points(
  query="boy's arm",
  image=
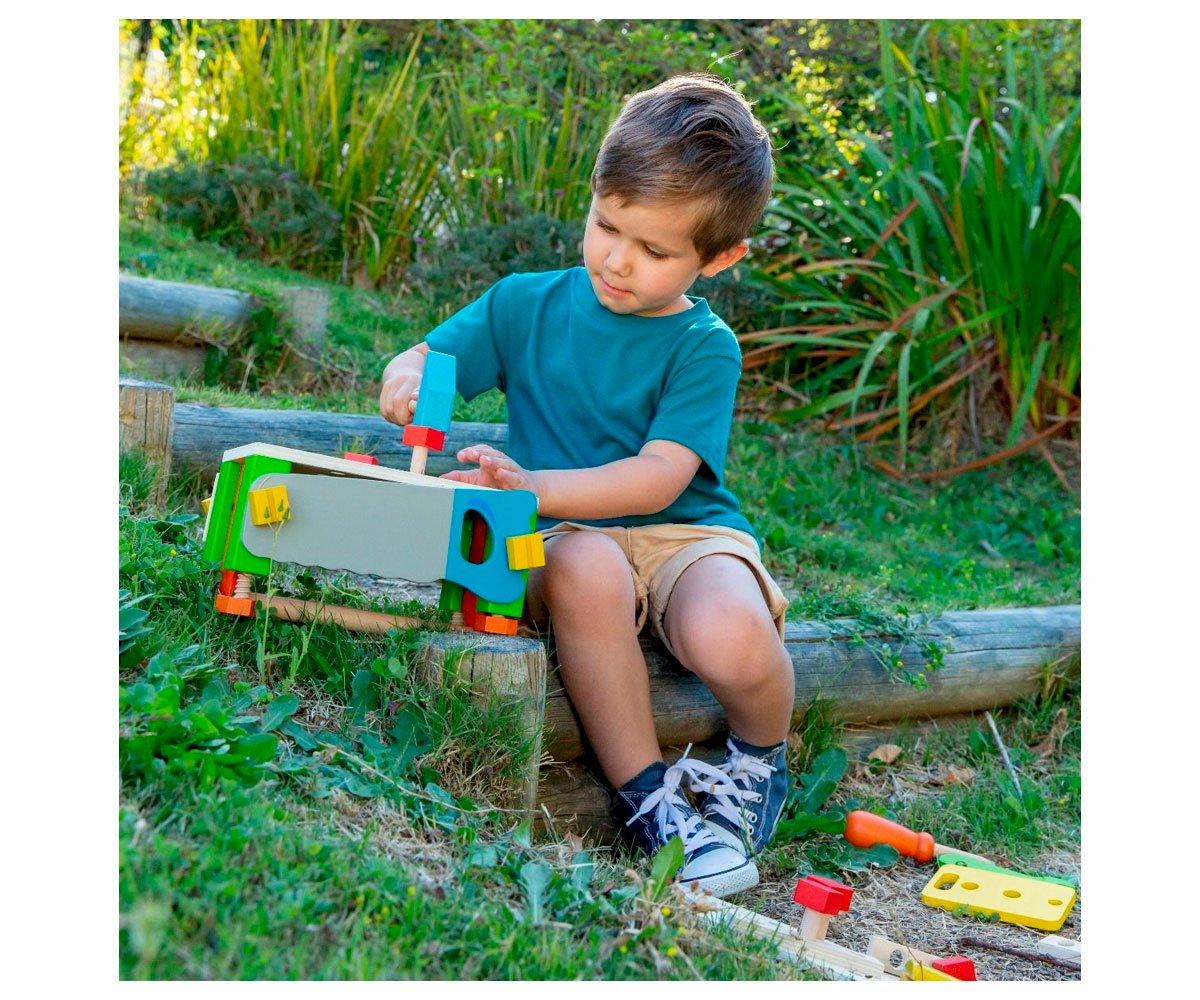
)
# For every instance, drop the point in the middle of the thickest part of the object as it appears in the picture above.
(643, 484)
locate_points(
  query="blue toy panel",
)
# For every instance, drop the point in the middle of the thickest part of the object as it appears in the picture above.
(507, 513)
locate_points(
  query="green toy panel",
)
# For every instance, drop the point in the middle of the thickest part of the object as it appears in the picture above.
(216, 527)
(237, 556)
(450, 598)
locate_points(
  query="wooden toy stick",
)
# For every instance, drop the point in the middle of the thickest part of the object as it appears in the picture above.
(292, 609)
(835, 959)
(419, 456)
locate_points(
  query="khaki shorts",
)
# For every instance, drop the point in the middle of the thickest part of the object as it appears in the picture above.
(659, 553)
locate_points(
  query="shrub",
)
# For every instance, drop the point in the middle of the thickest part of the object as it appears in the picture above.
(461, 265)
(942, 256)
(255, 205)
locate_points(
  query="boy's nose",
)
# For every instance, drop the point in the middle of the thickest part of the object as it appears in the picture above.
(618, 261)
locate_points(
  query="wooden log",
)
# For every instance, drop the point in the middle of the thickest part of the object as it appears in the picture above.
(992, 658)
(171, 310)
(204, 433)
(304, 310)
(146, 412)
(160, 359)
(506, 667)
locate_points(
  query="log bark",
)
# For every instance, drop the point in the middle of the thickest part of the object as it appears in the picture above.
(506, 667)
(992, 658)
(171, 310)
(203, 433)
(145, 411)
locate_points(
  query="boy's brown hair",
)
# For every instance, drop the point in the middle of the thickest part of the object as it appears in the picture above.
(692, 139)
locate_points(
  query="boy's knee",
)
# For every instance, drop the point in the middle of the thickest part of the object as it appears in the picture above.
(587, 567)
(727, 643)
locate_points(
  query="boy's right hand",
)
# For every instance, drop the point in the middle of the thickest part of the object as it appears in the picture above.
(398, 398)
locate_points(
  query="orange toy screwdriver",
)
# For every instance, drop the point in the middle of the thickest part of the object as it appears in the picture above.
(865, 829)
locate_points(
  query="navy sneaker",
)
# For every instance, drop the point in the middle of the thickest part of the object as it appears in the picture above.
(741, 803)
(652, 810)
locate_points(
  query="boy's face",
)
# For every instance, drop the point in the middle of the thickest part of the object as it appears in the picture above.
(640, 257)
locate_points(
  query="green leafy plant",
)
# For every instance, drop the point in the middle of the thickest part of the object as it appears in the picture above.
(804, 816)
(182, 719)
(667, 860)
(941, 256)
(317, 95)
(899, 641)
(131, 621)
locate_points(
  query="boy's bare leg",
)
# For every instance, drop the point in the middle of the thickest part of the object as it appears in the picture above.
(721, 629)
(587, 586)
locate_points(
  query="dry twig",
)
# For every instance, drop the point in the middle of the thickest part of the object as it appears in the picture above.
(1034, 956)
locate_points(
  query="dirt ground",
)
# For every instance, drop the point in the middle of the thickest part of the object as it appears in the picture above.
(887, 902)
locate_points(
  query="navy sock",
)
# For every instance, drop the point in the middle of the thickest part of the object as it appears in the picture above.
(757, 751)
(647, 780)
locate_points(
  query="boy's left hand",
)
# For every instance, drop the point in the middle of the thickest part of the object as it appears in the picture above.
(496, 470)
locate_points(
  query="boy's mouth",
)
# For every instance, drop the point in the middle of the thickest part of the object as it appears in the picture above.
(612, 289)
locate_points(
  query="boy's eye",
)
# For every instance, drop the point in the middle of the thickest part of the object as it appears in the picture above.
(605, 226)
(655, 254)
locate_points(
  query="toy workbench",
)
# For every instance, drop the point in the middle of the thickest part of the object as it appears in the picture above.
(273, 504)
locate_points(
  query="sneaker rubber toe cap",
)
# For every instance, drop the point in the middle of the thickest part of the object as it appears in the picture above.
(720, 870)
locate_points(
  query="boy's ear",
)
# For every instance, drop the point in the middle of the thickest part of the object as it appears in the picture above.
(726, 258)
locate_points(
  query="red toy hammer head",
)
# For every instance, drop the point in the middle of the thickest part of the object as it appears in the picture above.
(823, 894)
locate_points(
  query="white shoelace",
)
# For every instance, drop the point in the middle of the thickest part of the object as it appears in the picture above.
(669, 805)
(730, 797)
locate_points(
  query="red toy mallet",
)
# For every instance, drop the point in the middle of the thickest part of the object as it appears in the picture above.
(821, 899)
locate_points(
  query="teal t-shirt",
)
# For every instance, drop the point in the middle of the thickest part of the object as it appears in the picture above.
(587, 386)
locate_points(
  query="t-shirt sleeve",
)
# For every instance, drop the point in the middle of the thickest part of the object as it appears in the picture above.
(472, 336)
(696, 409)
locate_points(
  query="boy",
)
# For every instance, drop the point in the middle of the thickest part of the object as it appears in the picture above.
(620, 392)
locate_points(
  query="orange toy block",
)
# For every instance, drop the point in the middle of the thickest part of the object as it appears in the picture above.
(526, 551)
(228, 582)
(243, 606)
(358, 456)
(416, 436)
(493, 624)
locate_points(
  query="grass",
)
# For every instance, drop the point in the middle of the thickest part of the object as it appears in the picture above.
(838, 534)
(297, 802)
(360, 836)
